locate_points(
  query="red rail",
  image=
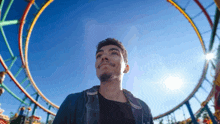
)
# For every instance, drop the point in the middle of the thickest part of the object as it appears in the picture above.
(21, 88)
(22, 21)
(204, 11)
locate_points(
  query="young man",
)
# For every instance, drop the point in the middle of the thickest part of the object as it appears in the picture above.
(107, 103)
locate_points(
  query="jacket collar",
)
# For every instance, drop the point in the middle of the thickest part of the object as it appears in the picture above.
(132, 100)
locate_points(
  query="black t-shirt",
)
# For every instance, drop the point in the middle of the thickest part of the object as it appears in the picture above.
(112, 112)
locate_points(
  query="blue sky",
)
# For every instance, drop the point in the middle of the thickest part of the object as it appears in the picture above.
(159, 40)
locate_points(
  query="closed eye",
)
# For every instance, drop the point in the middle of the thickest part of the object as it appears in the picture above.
(115, 53)
(98, 56)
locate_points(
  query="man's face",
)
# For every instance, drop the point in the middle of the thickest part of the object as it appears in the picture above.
(110, 61)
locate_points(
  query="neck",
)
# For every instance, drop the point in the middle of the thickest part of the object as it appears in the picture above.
(112, 90)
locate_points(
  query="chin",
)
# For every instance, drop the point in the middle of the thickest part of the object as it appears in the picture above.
(104, 73)
(105, 77)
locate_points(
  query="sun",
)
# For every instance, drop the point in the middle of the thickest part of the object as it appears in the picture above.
(173, 83)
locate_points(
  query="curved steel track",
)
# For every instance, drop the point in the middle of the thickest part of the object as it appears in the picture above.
(24, 59)
(204, 50)
(21, 88)
(24, 65)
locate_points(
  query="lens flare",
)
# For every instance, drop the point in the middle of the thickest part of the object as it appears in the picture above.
(173, 83)
(209, 56)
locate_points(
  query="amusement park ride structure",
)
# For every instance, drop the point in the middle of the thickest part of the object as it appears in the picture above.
(203, 77)
(23, 51)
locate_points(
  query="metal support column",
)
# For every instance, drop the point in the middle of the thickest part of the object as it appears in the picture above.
(168, 120)
(35, 107)
(184, 114)
(210, 114)
(48, 114)
(217, 13)
(191, 113)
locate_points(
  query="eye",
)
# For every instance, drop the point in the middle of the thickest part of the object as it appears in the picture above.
(115, 53)
(98, 56)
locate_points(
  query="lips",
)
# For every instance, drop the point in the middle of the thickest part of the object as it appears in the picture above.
(101, 64)
(104, 64)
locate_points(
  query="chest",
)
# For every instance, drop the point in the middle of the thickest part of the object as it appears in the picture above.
(93, 111)
(115, 112)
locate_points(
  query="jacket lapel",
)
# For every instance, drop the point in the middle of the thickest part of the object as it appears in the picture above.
(92, 106)
(135, 107)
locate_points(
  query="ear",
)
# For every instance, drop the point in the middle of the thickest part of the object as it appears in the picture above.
(127, 68)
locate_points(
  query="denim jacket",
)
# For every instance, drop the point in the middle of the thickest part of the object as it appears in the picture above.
(83, 108)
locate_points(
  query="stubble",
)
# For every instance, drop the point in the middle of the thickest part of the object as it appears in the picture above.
(105, 77)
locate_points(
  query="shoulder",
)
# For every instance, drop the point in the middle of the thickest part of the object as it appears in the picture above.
(70, 101)
(136, 100)
(146, 112)
(66, 112)
(144, 105)
(72, 98)
(80, 97)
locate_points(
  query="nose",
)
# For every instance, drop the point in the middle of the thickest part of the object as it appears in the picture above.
(104, 57)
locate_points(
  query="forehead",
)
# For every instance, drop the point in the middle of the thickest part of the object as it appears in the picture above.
(108, 47)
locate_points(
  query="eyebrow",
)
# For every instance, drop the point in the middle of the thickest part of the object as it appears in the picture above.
(99, 51)
(114, 49)
(108, 50)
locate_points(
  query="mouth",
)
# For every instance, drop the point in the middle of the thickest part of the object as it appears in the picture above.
(104, 64)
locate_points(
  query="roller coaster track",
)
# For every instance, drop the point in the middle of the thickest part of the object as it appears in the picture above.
(191, 22)
(21, 88)
(211, 94)
(25, 59)
(205, 13)
(204, 50)
(22, 22)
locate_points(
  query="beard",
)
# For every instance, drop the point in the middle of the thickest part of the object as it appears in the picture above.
(105, 77)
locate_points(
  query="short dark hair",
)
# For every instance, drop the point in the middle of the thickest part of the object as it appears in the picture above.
(113, 41)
